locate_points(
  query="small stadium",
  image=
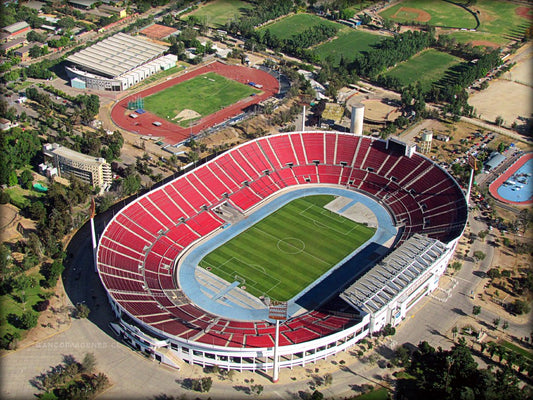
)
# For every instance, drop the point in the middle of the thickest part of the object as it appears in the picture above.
(342, 233)
(198, 99)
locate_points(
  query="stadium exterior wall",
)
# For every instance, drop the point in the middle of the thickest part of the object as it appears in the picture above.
(157, 344)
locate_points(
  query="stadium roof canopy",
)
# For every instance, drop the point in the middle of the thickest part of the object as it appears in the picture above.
(116, 55)
(379, 286)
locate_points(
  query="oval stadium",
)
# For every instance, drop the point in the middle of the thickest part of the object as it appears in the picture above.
(327, 236)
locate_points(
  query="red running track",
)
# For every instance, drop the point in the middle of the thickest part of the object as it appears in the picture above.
(173, 133)
(493, 187)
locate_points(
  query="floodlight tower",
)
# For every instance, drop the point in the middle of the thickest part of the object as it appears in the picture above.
(93, 233)
(278, 312)
(472, 161)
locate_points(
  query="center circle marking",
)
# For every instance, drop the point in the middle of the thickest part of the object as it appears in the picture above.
(291, 245)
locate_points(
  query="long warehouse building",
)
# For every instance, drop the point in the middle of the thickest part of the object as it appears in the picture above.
(117, 63)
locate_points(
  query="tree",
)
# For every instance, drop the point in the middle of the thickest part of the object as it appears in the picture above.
(256, 389)
(28, 320)
(494, 273)
(26, 179)
(505, 325)
(454, 332)
(456, 266)
(82, 311)
(479, 255)
(316, 395)
(88, 363)
(36, 51)
(496, 322)
(482, 235)
(454, 374)
(476, 310)
(499, 120)
(131, 184)
(519, 307)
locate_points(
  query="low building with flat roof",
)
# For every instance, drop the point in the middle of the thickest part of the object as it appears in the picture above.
(116, 63)
(93, 170)
(18, 28)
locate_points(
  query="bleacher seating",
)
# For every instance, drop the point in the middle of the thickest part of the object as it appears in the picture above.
(139, 247)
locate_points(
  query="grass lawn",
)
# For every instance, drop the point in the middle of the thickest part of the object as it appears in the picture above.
(442, 13)
(219, 12)
(205, 94)
(12, 304)
(499, 22)
(22, 197)
(517, 349)
(295, 24)
(288, 250)
(376, 394)
(427, 67)
(348, 44)
(361, 5)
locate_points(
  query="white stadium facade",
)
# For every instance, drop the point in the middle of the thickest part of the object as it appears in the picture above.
(165, 309)
(117, 63)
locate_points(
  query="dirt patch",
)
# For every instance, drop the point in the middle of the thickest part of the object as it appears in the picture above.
(525, 12)
(379, 111)
(422, 16)
(8, 216)
(186, 114)
(485, 43)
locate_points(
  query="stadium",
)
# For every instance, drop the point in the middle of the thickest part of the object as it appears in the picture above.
(174, 306)
(155, 122)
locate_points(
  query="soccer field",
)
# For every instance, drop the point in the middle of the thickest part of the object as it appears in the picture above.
(426, 67)
(294, 24)
(282, 254)
(217, 13)
(348, 44)
(202, 95)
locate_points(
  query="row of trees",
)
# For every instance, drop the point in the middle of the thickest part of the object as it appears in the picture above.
(71, 380)
(390, 52)
(453, 374)
(263, 11)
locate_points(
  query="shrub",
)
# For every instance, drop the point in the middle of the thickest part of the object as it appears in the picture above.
(82, 311)
(41, 305)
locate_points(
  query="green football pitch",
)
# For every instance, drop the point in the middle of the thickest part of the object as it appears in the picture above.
(204, 94)
(285, 252)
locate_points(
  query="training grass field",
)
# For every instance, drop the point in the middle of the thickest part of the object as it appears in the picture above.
(442, 13)
(204, 94)
(499, 21)
(348, 44)
(282, 254)
(217, 13)
(426, 67)
(295, 24)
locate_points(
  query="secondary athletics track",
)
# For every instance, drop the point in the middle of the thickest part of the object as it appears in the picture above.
(173, 133)
(493, 187)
